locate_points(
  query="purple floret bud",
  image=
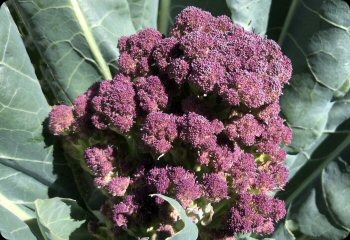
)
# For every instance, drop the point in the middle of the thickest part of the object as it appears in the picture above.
(159, 182)
(196, 45)
(178, 70)
(141, 43)
(191, 19)
(100, 159)
(123, 43)
(279, 65)
(124, 209)
(269, 112)
(243, 217)
(198, 131)
(118, 186)
(244, 172)
(215, 186)
(186, 187)
(82, 104)
(159, 131)
(128, 65)
(280, 174)
(277, 132)
(100, 122)
(264, 183)
(151, 94)
(272, 88)
(136, 52)
(115, 102)
(206, 73)
(223, 24)
(165, 231)
(256, 213)
(250, 89)
(164, 52)
(60, 119)
(230, 95)
(246, 130)
(224, 157)
(174, 181)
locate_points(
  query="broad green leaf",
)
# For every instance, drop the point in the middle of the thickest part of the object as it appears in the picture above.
(18, 192)
(305, 104)
(190, 230)
(27, 168)
(11, 227)
(23, 108)
(315, 106)
(60, 219)
(252, 15)
(77, 39)
(283, 232)
(322, 210)
(143, 13)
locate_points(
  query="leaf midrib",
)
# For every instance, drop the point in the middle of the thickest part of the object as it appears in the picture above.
(104, 69)
(14, 209)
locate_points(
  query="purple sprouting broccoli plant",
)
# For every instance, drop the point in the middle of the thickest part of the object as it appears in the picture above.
(193, 116)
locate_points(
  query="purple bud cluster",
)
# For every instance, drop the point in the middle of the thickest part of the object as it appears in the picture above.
(196, 118)
(101, 159)
(175, 181)
(61, 119)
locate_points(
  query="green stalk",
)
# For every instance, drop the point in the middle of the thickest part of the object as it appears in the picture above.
(132, 146)
(287, 22)
(164, 16)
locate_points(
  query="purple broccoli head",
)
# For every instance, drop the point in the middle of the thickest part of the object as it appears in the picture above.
(195, 117)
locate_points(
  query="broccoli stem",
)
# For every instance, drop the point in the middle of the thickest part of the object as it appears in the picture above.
(132, 146)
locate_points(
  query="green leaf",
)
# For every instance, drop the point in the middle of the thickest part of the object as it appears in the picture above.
(190, 230)
(16, 207)
(23, 108)
(252, 15)
(14, 228)
(316, 107)
(25, 164)
(143, 13)
(317, 212)
(27, 168)
(60, 219)
(77, 39)
(306, 104)
(283, 232)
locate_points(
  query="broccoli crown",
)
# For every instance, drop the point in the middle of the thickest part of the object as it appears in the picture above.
(194, 116)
